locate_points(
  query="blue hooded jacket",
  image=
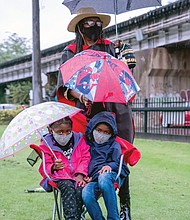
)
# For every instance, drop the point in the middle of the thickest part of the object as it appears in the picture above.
(107, 153)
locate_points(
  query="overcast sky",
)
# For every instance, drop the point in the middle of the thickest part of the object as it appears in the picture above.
(16, 17)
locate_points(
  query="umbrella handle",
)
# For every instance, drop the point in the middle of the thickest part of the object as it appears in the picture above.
(47, 145)
(115, 14)
(107, 95)
(88, 110)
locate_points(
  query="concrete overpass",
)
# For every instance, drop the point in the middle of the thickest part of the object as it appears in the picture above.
(165, 26)
(160, 39)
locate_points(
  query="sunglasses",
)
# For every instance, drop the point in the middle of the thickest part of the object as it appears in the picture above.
(92, 23)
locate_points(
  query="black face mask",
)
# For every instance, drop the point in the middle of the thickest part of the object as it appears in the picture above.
(93, 33)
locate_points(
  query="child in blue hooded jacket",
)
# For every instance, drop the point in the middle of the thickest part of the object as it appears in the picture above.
(105, 154)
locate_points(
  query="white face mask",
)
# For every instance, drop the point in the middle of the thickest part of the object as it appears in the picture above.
(100, 137)
(62, 139)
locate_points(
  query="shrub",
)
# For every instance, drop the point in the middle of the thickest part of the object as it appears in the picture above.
(7, 115)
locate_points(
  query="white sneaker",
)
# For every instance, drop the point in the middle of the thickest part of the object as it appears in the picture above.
(124, 213)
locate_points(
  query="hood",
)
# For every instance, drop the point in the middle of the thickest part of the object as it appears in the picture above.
(102, 117)
(48, 139)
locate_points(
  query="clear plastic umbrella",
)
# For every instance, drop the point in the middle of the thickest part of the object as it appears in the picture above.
(30, 125)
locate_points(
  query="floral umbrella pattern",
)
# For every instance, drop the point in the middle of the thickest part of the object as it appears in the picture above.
(30, 125)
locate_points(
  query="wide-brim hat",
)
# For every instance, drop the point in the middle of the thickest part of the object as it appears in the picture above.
(85, 13)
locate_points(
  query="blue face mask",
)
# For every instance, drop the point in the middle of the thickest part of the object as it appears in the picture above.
(62, 139)
(100, 138)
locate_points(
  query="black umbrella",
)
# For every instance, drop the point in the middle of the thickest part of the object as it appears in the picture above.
(110, 6)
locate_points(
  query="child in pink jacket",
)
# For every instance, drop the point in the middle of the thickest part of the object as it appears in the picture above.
(70, 167)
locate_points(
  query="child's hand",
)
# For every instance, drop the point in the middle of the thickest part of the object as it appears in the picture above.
(80, 180)
(58, 165)
(88, 179)
(105, 169)
(86, 101)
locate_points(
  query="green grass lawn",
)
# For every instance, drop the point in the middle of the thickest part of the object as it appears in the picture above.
(2, 127)
(159, 184)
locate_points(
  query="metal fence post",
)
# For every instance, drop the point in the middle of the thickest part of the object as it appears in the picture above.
(145, 115)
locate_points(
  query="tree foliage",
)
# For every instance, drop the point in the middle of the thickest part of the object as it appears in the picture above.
(19, 92)
(13, 47)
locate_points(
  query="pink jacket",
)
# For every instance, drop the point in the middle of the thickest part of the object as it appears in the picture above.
(78, 162)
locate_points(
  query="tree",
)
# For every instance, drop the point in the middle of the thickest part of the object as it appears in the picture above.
(14, 47)
(19, 92)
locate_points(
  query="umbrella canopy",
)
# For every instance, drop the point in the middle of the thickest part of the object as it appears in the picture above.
(30, 125)
(100, 77)
(110, 6)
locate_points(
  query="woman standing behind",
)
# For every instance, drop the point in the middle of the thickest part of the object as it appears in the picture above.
(88, 28)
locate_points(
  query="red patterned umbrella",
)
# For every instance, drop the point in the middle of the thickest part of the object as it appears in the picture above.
(100, 77)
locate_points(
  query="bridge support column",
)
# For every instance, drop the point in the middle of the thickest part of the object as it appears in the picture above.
(163, 71)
